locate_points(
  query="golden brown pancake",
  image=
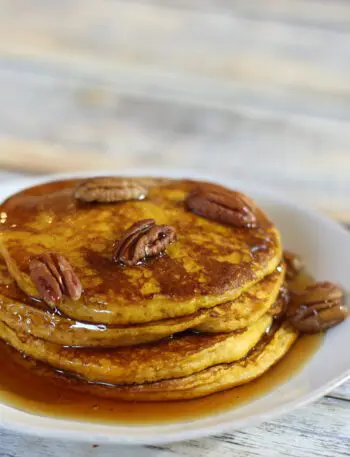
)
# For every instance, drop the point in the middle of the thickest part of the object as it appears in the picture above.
(245, 309)
(214, 379)
(197, 319)
(172, 358)
(35, 318)
(209, 264)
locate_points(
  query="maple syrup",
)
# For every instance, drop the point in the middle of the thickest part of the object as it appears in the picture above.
(34, 388)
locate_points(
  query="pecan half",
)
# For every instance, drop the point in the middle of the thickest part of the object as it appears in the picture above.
(294, 264)
(54, 277)
(320, 307)
(142, 240)
(108, 190)
(222, 205)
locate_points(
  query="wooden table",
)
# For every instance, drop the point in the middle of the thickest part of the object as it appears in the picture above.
(254, 89)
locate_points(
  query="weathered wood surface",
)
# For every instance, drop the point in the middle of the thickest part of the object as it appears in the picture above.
(258, 89)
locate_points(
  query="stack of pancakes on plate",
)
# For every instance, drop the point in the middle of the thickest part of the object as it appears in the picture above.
(143, 289)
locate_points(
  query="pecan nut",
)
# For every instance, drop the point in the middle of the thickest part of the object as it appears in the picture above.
(54, 277)
(222, 205)
(109, 190)
(293, 263)
(142, 240)
(320, 307)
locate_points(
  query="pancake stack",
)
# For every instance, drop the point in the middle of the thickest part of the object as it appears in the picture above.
(143, 289)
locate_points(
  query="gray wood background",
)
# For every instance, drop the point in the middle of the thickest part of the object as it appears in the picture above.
(258, 89)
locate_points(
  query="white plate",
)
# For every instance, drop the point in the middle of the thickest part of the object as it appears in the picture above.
(324, 245)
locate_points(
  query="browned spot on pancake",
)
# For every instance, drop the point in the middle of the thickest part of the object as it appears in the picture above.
(238, 275)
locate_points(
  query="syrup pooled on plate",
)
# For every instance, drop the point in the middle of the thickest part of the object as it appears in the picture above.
(35, 388)
(27, 386)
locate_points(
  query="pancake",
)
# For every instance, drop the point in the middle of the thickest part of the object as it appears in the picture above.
(209, 264)
(35, 318)
(211, 380)
(173, 358)
(194, 308)
(245, 309)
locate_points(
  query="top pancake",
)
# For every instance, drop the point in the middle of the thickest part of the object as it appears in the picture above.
(210, 262)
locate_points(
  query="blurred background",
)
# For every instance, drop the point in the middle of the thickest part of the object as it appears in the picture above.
(258, 90)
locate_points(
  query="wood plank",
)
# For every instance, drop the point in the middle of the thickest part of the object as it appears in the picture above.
(303, 155)
(40, 158)
(322, 14)
(216, 45)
